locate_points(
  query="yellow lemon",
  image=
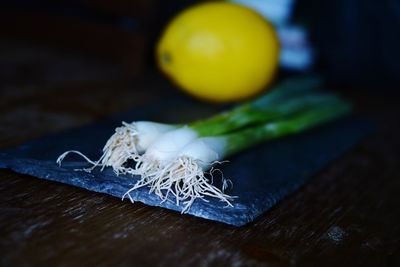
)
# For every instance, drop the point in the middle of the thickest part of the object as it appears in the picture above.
(220, 52)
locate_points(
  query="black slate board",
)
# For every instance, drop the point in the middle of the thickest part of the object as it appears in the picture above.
(261, 176)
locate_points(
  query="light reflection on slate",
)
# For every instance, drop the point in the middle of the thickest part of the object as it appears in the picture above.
(261, 176)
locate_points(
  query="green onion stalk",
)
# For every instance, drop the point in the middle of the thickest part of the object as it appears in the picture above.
(174, 159)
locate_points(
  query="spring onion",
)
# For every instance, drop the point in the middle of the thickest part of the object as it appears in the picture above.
(175, 159)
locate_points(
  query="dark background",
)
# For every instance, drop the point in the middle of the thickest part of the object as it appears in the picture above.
(356, 42)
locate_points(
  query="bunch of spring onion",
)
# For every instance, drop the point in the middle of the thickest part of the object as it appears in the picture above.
(174, 159)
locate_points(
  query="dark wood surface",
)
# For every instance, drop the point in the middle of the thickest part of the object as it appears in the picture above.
(347, 215)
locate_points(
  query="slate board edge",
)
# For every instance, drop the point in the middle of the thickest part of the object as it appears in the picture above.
(6, 162)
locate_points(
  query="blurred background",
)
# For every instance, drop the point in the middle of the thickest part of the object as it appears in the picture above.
(352, 42)
(71, 56)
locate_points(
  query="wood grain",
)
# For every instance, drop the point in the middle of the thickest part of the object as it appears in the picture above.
(347, 215)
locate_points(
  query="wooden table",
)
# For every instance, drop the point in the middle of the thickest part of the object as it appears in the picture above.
(347, 215)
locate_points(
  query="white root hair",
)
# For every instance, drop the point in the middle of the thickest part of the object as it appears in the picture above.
(183, 178)
(120, 148)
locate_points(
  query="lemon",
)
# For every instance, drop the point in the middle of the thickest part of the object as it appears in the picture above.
(220, 52)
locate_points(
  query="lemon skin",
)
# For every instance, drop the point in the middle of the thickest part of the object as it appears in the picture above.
(219, 52)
